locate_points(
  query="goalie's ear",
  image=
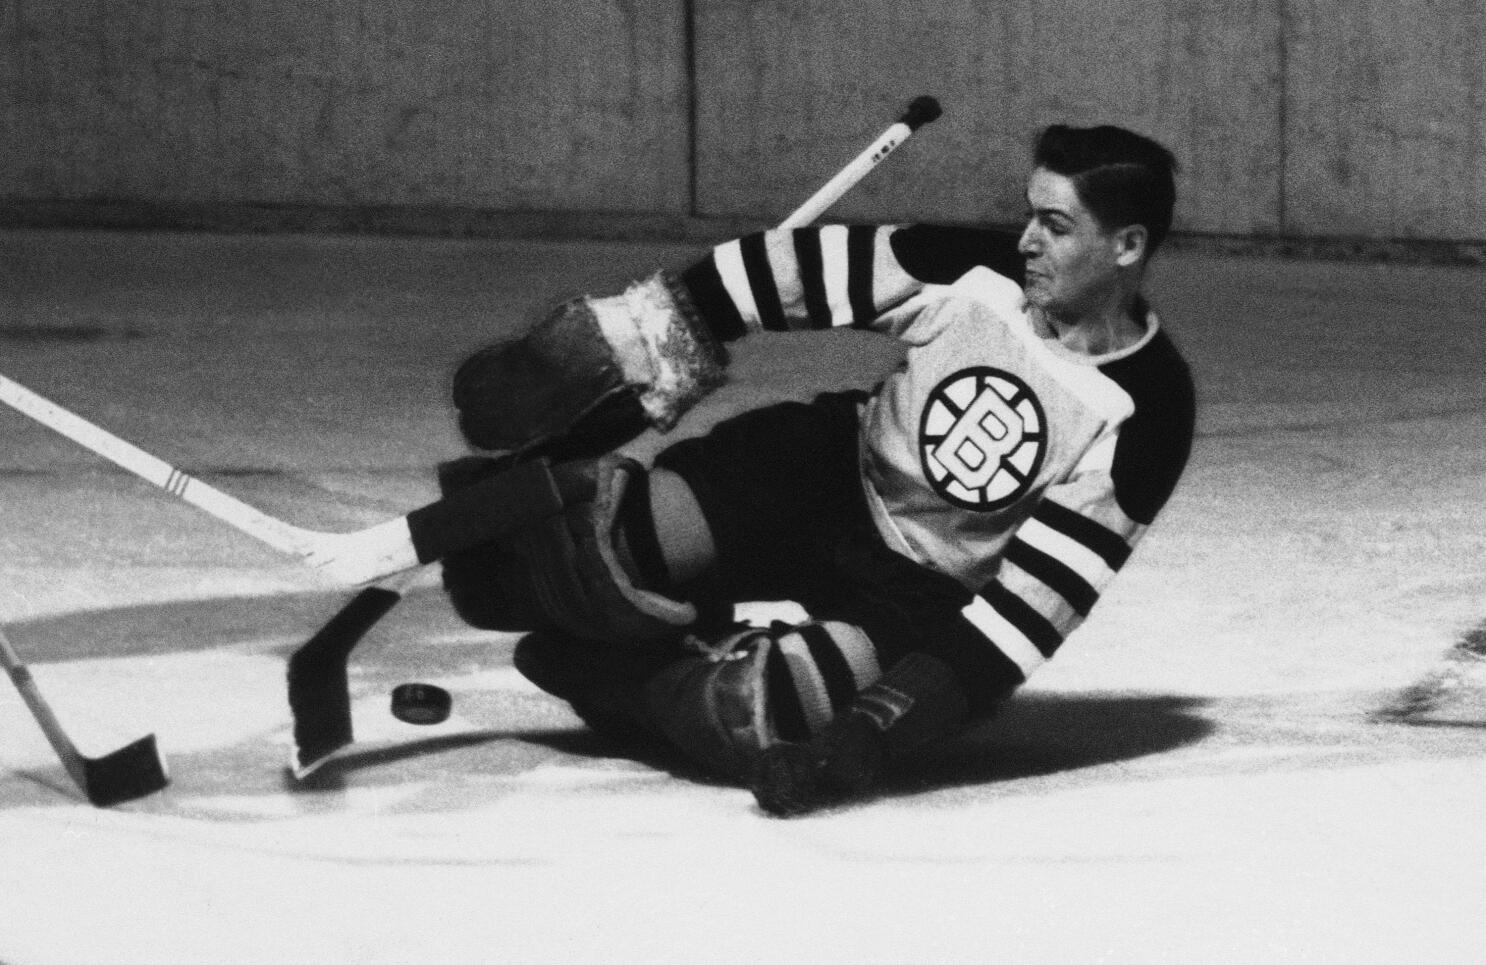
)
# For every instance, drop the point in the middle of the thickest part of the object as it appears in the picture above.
(1132, 245)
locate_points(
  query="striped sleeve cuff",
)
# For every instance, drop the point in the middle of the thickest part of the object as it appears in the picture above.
(834, 276)
(1051, 576)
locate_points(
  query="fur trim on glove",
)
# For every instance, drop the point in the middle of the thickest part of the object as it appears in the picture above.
(662, 345)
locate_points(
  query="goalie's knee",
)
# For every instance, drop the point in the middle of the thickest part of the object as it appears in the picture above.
(587, 580)
(568, 565)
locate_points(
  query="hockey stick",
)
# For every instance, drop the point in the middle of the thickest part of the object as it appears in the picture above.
(259, 525)
(130, 772)
(319, 693)
(422, 536)
(477, 514)
(318, 698)
(921, 110)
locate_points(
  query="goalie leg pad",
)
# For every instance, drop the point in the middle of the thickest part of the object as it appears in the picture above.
(579, 578)
(600, 681)
(815, 671)
(713, 706)
(755, 687)
(564, 568)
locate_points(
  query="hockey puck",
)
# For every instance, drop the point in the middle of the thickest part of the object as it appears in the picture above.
(421, 703)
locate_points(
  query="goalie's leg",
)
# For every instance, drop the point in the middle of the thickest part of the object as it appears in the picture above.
(720, 701)
(593, 567)
(756, 687)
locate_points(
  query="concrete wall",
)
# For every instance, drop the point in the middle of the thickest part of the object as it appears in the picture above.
(1386, 111)
(346, 102)
(1293, 118)
(782, 103)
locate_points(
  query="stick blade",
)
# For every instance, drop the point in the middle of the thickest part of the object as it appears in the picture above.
(130, 772)
(320, 702)
(319, 696)
(317, 741)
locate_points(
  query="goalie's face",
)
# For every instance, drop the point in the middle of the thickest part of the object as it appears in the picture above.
(1074, 265)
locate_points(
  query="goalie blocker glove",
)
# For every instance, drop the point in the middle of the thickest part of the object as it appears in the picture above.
(916, 702)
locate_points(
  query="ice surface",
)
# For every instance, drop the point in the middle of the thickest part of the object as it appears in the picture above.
(1263, 747)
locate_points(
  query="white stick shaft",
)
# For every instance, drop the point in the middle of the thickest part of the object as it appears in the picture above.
(20, 675)
(855, 170)
(276, 533)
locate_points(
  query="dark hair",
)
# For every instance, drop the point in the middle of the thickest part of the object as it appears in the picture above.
(1122, 177)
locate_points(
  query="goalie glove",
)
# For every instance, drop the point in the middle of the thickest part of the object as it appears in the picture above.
(594, 371)
(918, 701)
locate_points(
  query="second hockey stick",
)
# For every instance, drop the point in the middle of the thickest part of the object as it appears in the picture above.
(132, 771)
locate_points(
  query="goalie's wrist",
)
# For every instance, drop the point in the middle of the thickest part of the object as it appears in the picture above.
(662, 346)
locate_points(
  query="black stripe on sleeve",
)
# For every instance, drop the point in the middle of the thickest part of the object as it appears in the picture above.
(861, 252)
(811, 259)
(1055, 574)
(704, 283)
(841, 685)
(1020, 614)
(1108, 544)
(761, 282)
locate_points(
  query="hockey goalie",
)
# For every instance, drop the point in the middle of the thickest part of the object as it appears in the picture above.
(945, 532)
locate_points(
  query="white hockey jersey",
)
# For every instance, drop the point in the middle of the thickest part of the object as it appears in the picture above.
(1024, 471)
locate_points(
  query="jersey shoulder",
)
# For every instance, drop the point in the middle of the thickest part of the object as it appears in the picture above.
(1156, 441)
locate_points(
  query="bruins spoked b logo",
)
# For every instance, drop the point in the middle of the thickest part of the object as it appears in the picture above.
(982, 438)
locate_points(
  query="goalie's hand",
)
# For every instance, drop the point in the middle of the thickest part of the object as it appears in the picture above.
(841, 763)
